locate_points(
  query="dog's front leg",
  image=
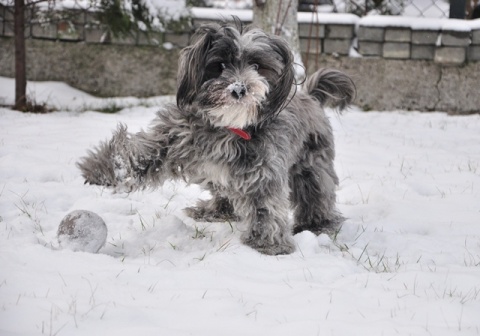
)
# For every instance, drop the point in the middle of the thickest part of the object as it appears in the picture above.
(267, 221)
(127, 162)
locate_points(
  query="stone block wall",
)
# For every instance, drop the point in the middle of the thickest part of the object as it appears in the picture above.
(443, 41)
(83, 26)
(395, 63)
(326, 34)
(473, 53)
(326, 38)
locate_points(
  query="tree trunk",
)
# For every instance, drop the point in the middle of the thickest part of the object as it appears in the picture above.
(20, 73)
(279, 17)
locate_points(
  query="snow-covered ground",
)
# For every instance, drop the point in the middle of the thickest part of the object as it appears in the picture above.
(406, 262)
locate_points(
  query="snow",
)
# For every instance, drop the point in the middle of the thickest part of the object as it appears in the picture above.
(406, 262)
(474, 24)
(327, 18)
(61, 96)
(229, 4)
(246, 15)
(456, 25)
(168, 9)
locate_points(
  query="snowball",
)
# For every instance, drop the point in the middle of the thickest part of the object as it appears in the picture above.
(82, 230)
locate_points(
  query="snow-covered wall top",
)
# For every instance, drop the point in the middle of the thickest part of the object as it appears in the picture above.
(247, 16)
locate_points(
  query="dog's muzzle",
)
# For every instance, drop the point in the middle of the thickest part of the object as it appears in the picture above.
(238, 89)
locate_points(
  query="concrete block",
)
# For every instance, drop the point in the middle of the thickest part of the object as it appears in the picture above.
(336, 46)
(124, 40)
(315, 46)
(367, 48)
(48, 31)
(2, 19)
(429, 37)
(371, 34)
(8, 13)
(423, 52)
(91, 16)
(311, 30)
(78, 16)
(476, 36)
(398, 84)
(180, 40)
(455, 39)
(474, 53)
(458, 88)
(398, 35)
(69, 31)
(450, 55)
(337, 31)
(28, 33)
(94, 35)
(8, 29)
(150, 39)
(400, 50)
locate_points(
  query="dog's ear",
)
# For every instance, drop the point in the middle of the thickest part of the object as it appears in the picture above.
(278, 95)
(192, 65)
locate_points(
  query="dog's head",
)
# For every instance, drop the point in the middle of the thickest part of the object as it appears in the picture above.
(235, 78)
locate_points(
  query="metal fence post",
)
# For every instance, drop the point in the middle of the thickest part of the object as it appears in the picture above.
(457, 9)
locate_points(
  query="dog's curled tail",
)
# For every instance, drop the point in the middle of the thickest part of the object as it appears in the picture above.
(331, 88)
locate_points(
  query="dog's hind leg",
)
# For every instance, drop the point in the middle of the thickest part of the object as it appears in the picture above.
(312, 184)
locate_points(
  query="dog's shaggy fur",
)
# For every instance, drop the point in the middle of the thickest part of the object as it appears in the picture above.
(242, 131)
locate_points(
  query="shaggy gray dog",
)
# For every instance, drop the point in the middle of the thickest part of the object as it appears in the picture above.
(240, 130)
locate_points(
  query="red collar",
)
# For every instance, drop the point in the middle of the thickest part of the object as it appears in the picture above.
(243, 134)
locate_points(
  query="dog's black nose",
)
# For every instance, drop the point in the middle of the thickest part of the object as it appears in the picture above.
(238, 90)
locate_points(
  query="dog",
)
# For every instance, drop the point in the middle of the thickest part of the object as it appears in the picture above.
(242, 130)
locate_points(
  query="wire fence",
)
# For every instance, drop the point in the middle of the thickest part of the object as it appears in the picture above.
(411, 8)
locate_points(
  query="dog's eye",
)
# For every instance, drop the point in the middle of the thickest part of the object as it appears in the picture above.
(214, 70)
